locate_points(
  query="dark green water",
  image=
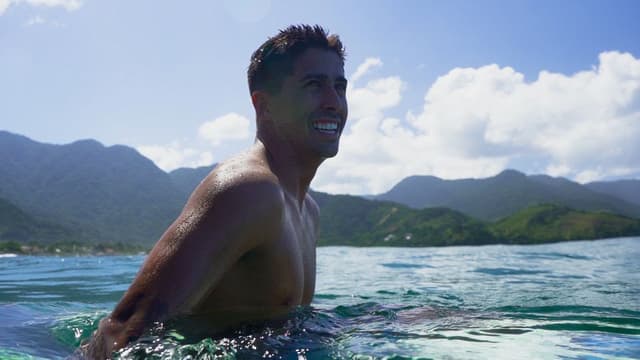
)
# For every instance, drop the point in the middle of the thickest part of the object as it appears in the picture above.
(578, 300)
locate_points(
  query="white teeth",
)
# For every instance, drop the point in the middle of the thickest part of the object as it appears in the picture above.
(326, 126)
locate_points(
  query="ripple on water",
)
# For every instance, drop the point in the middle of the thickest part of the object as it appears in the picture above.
(552, 256)
(406, 266)
(509, 271)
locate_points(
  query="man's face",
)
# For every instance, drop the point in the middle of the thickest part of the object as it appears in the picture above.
(310, 110)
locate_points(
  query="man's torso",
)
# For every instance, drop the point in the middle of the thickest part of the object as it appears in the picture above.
(277, 275)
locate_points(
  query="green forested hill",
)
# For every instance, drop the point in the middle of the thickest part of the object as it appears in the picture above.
(349, 220)
(18, 226)
(547, 223)
(112, 192)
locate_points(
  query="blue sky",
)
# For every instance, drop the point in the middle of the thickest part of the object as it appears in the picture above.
(452, 89)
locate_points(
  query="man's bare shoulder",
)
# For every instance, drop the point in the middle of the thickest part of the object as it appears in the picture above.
(245, 178)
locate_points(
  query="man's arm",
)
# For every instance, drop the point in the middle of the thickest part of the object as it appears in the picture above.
(223, 220)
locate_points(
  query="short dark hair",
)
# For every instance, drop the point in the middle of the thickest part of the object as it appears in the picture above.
(274, 58)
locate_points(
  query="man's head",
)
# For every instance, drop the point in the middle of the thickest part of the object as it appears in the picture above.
(275, 57)
(298, 89)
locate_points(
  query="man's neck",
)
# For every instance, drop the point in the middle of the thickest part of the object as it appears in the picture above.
(294, 171)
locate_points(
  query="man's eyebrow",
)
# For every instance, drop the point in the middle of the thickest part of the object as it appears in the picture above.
(314, 77)
(321, 77)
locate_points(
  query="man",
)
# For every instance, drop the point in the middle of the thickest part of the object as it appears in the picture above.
(243, 247)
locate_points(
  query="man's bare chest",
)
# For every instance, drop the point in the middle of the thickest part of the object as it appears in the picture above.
(280, 272)
(286, 266)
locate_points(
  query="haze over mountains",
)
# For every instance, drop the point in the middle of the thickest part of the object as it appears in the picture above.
(90, 192)
(628, 190)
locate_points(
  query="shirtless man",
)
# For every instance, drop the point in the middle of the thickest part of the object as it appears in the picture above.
(243, 247)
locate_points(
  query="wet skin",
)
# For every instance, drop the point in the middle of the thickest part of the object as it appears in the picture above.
(243, 247)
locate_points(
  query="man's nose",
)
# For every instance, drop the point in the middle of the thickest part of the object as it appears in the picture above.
(331, 99)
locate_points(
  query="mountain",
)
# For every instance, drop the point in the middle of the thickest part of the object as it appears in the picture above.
(351, 220)
(87, 192)
(18, 226)
(628, 190)
(502, 195)
(113, 192)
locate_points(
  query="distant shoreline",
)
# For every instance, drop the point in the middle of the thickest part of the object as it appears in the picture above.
(112, 252)
(69, 249)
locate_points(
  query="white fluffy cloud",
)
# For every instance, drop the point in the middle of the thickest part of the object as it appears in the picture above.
(225, 130)
(4, 5)
(478, 121)
(228, 127)
(69, 5)
(175, 155)
(363, 68)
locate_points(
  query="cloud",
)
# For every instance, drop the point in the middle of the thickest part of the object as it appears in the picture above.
(476, 122)
(225, 130)
(228, 127)
(363, 68)
(175, 155)
(4, 5)
(69, 5)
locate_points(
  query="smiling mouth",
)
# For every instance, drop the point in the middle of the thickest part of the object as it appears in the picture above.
(326, 126)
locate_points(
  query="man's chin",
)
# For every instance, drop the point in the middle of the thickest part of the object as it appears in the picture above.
(329, 153)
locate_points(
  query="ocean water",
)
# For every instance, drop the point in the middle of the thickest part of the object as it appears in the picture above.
(577, 300)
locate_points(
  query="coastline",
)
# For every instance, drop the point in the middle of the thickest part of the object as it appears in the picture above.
(105, 250)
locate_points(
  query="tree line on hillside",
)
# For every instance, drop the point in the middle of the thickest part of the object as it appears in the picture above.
(87, 193)
(349, 220)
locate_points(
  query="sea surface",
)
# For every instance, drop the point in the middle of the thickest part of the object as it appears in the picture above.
(576, 300)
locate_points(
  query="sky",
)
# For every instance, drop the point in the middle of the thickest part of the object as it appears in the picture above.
(454, 89)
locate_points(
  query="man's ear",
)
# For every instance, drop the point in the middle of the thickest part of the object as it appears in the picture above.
(260, 101)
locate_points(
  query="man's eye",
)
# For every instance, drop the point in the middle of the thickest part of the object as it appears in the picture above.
(312, 83)
(341, 88)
